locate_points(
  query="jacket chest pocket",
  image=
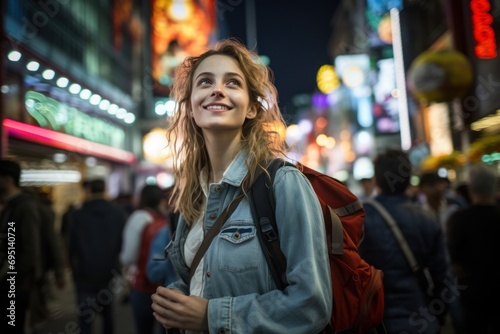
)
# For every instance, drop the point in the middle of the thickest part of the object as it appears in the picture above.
(237, 248)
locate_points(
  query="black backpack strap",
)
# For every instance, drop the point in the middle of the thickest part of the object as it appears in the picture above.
(263, 209)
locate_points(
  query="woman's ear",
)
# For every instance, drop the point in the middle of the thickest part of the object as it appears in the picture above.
(252, 111)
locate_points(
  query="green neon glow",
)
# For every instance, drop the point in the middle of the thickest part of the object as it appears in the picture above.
(57, 116)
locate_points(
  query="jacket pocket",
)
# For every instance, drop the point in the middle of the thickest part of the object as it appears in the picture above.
(238, 245)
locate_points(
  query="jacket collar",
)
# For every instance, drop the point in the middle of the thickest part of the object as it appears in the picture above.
(233, 175)
(236, 171)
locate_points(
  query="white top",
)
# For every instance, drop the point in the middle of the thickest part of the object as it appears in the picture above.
(191, 246)
(132, 233)
(193, 242)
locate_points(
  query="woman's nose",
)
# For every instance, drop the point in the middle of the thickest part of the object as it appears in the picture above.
(217, 92)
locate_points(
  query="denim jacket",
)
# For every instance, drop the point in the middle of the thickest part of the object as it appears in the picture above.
(242, 295)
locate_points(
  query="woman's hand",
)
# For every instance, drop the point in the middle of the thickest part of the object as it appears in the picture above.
(173, 309)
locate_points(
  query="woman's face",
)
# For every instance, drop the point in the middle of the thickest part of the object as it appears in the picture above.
(220, 99)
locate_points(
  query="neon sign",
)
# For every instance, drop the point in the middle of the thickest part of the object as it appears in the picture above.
(483, 33)
(54, 115)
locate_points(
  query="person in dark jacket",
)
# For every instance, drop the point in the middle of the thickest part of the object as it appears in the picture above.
(20, 263)
(94, 243)
(51, 261)
(473, 245)
(407, 307)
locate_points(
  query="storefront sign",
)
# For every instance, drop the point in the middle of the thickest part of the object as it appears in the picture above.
(54, 115)
(482, 24)
(482, 31)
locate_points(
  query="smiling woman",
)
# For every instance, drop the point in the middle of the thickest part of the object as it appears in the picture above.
(220, 98)
(226, 103)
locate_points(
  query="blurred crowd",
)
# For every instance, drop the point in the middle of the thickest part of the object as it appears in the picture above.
(451, 228)
(107, 244)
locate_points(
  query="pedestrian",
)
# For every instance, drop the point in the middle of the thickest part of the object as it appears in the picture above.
(140, 230)
(20, 262)
(407, 307)
(223, 135)
(94, 241)
(51, 259)
(368, 188)
(473, 245)
(433, 189)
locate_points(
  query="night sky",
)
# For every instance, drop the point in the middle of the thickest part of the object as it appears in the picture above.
(293, 34)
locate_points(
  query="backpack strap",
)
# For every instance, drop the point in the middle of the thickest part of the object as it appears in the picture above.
(423, 274)
(262, 204)
(212, 232)
(263, 209)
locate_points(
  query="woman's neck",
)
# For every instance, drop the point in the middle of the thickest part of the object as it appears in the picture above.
(221, 151)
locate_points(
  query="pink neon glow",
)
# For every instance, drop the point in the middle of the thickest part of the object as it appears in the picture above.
(66, 142)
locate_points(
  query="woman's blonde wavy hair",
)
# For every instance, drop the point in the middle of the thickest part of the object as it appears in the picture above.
(259, 139)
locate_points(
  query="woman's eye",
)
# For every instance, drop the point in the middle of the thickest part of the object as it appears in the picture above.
(233, 82)
(204, 82)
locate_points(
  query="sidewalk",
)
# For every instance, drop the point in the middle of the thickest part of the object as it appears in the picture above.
(63, 316)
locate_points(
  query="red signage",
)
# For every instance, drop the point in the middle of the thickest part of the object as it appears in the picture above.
(484, 35)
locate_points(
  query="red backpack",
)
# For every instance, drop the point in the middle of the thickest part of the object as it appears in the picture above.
(358, 293)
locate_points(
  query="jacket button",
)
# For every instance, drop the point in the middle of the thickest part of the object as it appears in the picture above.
(236, 235)
(212, 216)
(208, 273)
(218, 188)
(222, 331)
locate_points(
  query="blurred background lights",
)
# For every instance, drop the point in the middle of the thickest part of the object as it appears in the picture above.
(327, 79)
(95, 99)
(113, 108)
(320, 100)
(365, 115)
(443, 172)
(341, 175)
(363, 168)
(90, 161)
(170, 106)
(160, 108)
(48, 74)
(104, 104)
(321, 122)
(305, 126)
(363, 142)
(353, 76)
(59, 157)
(165, 180)
(120, 113)
(129, 118)
(151, 180)
(75, 88)
(265, 59)
(180, 10)
(321, 140)
(293, 134)
(14, 55)
(85, 94)
(33, 66)
(62, 82)
(155, 145)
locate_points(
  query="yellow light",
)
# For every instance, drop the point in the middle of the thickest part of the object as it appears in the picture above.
(154, 145)
(180, 10)
(330, 143)
(322, 140)
(327, 79)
